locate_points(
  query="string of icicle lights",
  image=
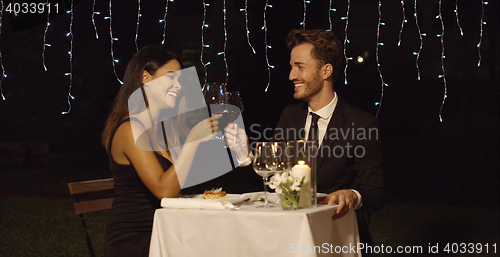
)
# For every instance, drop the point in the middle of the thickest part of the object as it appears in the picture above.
(70, 73)
(482, 22)
(380, 23)
(164, 21)
(346, 40)
(420, 35)
(203, 46)
(303, 23)
(137, 24)
(443, 75)
(330, 15)
(47, 24)
(93, 19)
(267, 46)
(246, 25)
(225, 40)
(403, 21)
(456, 16)
(1, 60)
(47, 45)
(112, 39)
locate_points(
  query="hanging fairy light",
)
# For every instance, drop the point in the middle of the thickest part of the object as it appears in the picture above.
(421, 35)
(246, 25)
(443, 75)
(403, 21)
(225, 40)
(203, 46)
(269, 67)
(456, 16)
(303, 23)
(139, 15)
(70, 73)
(3, 71)
(164, 21)
(482, 22)
(379, 103)
(47, 24)
(1, 59)
(346, 40)
(330, 15)
(112, 39)
(93, 19)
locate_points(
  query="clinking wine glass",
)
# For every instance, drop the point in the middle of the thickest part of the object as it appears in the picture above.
(234, 108)
(262, 165)
(215, 98)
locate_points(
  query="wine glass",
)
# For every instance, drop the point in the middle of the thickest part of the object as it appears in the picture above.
(214, 93)
(233, 110)
(261, 165)
(215, 98)
(234, 98)
(279, 157)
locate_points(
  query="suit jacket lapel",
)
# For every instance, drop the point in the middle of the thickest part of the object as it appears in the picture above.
(336, 123)
(302, 115)
(299, 126)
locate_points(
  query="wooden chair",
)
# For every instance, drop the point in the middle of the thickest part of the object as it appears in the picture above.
(82, 207)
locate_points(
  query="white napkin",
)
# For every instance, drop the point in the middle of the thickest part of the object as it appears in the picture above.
(254, 196)
(205, 204)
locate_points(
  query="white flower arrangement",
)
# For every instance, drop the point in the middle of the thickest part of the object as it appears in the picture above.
(287, 186)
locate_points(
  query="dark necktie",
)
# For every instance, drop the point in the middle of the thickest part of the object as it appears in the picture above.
(314, 130)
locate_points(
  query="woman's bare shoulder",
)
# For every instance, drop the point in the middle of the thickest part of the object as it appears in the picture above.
(124, 142)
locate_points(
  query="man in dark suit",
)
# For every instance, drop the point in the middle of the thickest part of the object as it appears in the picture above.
(349, 161)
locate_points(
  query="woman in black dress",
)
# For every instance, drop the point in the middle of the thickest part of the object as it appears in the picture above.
(142, 165)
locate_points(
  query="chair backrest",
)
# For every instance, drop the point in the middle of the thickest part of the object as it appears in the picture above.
(82, 207)
(76, 189)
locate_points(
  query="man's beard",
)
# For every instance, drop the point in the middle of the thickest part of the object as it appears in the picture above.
(310, 89)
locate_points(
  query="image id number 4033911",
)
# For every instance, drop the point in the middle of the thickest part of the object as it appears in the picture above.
(27, 8)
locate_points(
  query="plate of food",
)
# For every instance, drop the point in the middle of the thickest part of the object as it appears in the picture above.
(220, 195)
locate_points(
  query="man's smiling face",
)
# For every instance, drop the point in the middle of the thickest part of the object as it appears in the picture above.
(304, 72)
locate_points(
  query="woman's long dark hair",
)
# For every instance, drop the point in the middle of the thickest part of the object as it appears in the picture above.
(150, 59)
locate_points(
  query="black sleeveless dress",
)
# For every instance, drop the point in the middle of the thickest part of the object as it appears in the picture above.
(128, 232)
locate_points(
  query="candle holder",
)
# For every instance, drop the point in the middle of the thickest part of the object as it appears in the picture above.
(301, 155)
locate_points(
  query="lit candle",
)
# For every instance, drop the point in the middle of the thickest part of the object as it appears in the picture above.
(301, 170)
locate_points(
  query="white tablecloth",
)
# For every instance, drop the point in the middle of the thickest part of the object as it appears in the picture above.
(253, 232)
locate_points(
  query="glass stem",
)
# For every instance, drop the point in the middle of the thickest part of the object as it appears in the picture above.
(266, 202)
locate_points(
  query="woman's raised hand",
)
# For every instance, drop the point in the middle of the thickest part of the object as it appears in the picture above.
(204, 130)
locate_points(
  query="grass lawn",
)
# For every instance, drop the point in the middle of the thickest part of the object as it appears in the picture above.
(46, 227)
(49, 227)
(430, 225)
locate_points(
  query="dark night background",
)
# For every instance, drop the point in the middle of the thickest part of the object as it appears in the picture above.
(453, 162)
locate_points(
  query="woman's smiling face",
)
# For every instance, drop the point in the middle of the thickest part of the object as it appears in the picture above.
(163, 87)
